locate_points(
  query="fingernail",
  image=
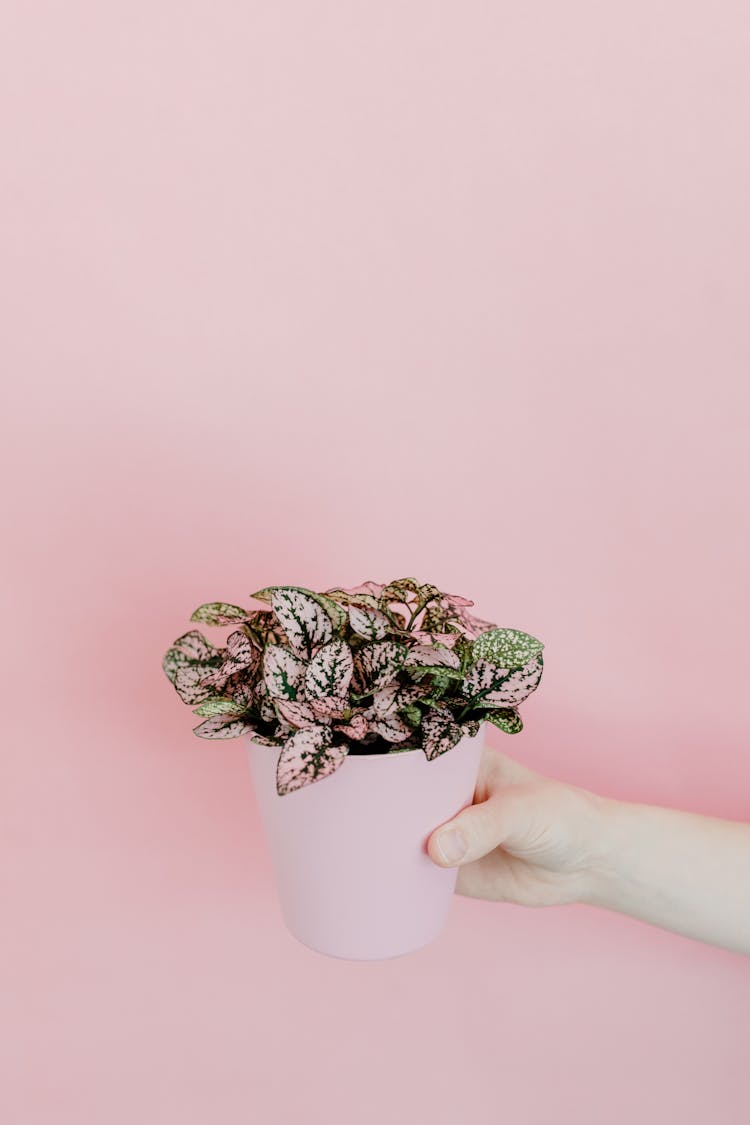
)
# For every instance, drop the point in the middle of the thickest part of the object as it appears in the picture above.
(451, 845)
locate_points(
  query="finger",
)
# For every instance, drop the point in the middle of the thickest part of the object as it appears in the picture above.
(474, 832)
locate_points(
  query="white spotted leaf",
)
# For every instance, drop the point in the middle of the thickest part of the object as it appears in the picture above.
(507, 647)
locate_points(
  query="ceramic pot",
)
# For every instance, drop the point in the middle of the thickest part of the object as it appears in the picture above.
(353, 876)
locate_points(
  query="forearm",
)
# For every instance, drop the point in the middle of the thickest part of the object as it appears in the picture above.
(682, 871)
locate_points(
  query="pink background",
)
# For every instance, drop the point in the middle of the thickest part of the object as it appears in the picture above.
(320, 292)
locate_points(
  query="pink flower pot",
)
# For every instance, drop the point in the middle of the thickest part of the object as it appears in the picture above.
(349, 851)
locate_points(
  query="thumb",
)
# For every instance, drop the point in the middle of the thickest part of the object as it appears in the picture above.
(471, 834)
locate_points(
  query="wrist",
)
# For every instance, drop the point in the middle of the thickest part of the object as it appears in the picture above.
(612, 831)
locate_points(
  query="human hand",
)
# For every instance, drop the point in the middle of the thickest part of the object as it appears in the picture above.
(526, 838)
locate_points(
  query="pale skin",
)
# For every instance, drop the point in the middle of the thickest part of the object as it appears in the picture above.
(534, 841)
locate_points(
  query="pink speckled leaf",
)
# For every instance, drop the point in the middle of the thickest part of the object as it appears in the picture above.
(368, 623)
(483, 677)
(357, 727)
(457, 600)
(283, 673)
(191, 684)
(391, 727)
(222, 727)
(297, 712)
(306, 757)
(433, 655)
(195, 645)
(333, 707)
(380, 661)
(389, 699)
(264, 740)
(329, 671)
(439, 732)
(472, 626)
(240, 648)
(263, 702)
(515, 687)
(305, 622)
(446, 639)
(371, 589)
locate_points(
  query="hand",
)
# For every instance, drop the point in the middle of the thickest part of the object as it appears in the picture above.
(526, 839)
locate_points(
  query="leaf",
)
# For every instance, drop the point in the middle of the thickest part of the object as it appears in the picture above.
(483, 677)
(297, 712)
(219, 706)
(506, 718)
(305, 622)
(352, 597)
(241, 648)
(457, 600)
(173, 660)
(333, 707)
(432, 656)
(190, 684)
(283, 672)
(356, 728)
(471, 625)
(335, 613)
(330, 671)
(368, 623)
(264, 740)
(389, 699)
(397, 593)
(412, 714)
(391, 727)
(195, 645)
(263, 702)
(219, 613)
(380, 661)
(221, 727)
(508, 647)
(306, 757)
(470, 727)
(439, 732)
(515, 687)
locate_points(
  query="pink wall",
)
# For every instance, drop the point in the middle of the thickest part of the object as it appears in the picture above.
(315, 293)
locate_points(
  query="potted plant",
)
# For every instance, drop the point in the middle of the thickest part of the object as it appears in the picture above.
(364, 712)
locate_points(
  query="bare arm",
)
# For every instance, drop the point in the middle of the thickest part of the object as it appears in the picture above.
(535, 841)
(679, 870)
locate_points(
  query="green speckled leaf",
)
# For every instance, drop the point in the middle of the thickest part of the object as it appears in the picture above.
(506, 718)
(221, 727)
(509, 648)
(219, 706)
(219, 613)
